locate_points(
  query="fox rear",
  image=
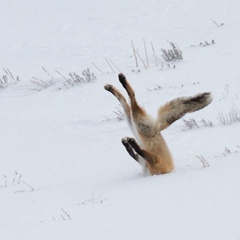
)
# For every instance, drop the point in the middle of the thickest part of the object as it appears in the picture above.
(149, 148)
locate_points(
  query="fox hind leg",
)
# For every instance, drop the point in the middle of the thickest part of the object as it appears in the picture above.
(126, 85)
(131, 94)
(122, 100)
(143, 122)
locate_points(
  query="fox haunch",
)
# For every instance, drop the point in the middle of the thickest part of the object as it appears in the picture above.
(150, 149)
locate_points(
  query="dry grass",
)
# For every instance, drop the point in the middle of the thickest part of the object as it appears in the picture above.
(8, 79)
(203, 161)
(231, 117)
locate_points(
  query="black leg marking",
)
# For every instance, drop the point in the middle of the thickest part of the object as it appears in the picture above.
(129, 149)
(134, 144)
(148, 156)
(109, 88)
(122, 79)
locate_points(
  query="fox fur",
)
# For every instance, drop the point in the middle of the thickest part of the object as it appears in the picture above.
(150, 149)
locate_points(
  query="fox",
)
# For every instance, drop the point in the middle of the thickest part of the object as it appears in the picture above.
(149, 148)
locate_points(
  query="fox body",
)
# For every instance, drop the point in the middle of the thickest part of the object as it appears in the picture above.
(150, 149)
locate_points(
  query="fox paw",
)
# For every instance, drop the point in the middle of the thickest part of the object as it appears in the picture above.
(125, 140)
(134, 144)
(132, 141)
(108, 87)
(122, 78)
(129, 140)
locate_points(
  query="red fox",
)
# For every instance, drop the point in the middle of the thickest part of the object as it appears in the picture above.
(150, 149)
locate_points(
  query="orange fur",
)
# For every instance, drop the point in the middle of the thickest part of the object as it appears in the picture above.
(150, 150)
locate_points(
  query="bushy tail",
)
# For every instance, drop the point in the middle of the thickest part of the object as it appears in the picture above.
(177, 108)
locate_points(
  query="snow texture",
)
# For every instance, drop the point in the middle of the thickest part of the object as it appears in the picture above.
(64, 173)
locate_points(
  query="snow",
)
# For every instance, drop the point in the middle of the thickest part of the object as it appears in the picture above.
(64, 173)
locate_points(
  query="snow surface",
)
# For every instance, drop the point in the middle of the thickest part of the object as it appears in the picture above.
(64, 173)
